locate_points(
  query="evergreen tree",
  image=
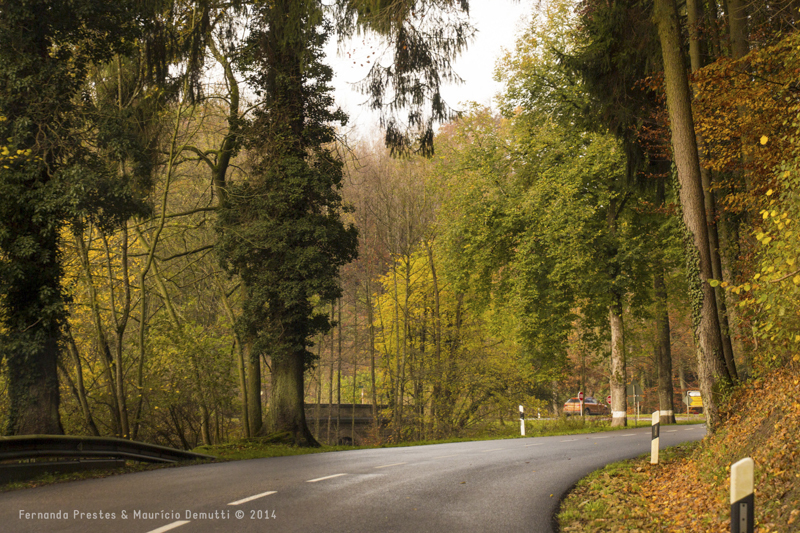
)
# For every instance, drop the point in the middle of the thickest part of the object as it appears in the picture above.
(425, 37)
(280, 230)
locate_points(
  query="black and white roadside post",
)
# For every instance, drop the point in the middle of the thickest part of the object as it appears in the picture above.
(654, 438)
(742, 499)
(522, 420)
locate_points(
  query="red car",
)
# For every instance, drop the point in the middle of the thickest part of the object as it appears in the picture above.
(590, 407)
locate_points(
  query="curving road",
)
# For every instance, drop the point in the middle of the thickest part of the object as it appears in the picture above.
(502, 485)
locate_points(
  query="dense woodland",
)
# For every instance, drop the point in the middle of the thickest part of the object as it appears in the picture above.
(191, 248)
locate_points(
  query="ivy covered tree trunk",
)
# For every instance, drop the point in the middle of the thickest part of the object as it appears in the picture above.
(286, 413)
(695, 15)
(711, 364)
(48, 179)
(280, 229)
(33, 312)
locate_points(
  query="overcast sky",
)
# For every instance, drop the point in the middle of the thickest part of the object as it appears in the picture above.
(498, 23)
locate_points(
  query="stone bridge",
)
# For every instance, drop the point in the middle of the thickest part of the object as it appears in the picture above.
(344, 423)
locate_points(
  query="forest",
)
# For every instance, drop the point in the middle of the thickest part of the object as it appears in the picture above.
(193, 251)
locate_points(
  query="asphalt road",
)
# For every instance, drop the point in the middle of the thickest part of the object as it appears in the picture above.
(486, 486)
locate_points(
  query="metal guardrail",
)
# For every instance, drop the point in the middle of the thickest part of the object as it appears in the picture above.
(36, 446)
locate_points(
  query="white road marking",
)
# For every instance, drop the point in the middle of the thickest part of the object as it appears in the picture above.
(493, 450)
(323, 478)
(601, 437)
(630, 435)
(537, 444)
(569, 440)
(251, 498)
(672, 430)
(169, 526)
(393, 464)
(443, 456)
(688, 429)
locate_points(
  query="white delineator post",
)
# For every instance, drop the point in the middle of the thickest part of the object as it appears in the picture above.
(742, 498)
(654, 438)
(522, 420)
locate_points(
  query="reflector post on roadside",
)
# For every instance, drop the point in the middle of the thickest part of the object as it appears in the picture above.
(656, 426)
(522, 420)
(742, 498)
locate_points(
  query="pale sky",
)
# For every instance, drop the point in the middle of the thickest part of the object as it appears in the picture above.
(498, 23)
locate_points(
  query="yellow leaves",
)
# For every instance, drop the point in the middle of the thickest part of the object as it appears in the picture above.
(764, 140)
(796, 280)
(769, 192)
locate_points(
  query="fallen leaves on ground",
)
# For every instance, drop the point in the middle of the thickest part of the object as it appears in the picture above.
(689, 490)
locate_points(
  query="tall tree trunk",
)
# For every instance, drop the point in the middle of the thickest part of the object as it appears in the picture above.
(398, 413)
(240, 361)
(330, 382)
(33, 377)
(619, 377)
(101, 340)
(716, 271)
(253, 390)
(121, 324)
(406, 297)
(695, 15)
(728, 251)
(663, 350)
(355, 365)
(711, 364)
(80, 388)
(737, 27)
(436, 395)
(143, 318)
(339, 378)
(317, 409)
(372, 379)
(286, 411)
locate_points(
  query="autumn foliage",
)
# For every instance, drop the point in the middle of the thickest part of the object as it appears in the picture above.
(689, 491)
(741, 109)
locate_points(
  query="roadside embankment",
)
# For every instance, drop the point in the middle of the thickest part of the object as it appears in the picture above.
(689, 490)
